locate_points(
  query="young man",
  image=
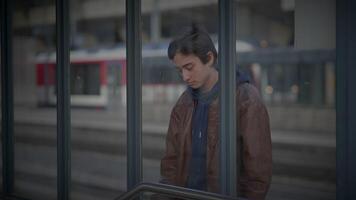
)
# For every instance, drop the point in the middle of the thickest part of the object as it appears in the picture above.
(192, 152)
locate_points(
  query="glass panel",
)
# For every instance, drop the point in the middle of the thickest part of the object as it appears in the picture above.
(162, 85)
(98, 97)
(35, 124)
(290, 55)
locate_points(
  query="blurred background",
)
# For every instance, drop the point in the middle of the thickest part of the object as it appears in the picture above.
(286, 46)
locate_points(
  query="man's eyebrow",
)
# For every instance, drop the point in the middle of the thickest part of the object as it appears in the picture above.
(186, 65)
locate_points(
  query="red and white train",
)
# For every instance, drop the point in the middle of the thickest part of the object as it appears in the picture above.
(99, 77)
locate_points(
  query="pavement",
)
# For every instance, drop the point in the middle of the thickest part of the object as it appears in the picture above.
(304, 159)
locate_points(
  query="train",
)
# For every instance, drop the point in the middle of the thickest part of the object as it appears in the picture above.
(98, 76)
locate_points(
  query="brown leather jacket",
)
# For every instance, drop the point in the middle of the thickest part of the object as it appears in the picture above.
(255, 147)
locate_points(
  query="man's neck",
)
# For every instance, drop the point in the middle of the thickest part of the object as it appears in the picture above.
(213, 78)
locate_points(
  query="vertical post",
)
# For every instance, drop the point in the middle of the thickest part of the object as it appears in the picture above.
(63, 100)
(227, 78)
(345, 99)
(7, 104)
(134, 103)
(155, 22)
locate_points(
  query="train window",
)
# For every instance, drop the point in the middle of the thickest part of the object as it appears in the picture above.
(85, 79)
(292, 63)
(115, 74)
(35, 155)
(116, 84)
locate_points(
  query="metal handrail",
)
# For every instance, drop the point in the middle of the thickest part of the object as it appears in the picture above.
(173, 191)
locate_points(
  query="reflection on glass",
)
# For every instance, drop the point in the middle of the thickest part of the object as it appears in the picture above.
(34, 126)
(98, 99)
(98, 125)
(286, 46)
(162, 85)
(292, 62)
(97, 87)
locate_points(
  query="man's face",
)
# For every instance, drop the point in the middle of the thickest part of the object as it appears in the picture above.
(193, 71)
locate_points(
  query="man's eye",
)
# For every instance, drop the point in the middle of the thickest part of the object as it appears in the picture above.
(189, 67)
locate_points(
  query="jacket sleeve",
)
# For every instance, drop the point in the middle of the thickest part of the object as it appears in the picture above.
(169, 160)
(256, 152)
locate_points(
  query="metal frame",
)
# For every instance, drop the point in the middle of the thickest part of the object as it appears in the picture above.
(12, 197)
(345, 102)
(134, 93)
(7, 103)
(346, 99)
(172, 191)
(227, 77)
(227, 98)
(63, 101)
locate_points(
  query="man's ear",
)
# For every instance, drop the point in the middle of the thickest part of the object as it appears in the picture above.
(210, 58)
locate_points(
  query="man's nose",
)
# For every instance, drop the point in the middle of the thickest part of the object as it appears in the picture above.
(185, 75)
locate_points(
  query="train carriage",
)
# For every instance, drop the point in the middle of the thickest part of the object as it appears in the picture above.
(98, 77)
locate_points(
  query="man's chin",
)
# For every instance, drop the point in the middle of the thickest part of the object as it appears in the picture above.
(194, 86)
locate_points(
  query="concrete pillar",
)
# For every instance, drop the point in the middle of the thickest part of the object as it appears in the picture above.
(243, 22)
(155, 21)
(76, 10)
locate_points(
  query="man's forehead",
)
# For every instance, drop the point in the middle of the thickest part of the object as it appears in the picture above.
(181, 59)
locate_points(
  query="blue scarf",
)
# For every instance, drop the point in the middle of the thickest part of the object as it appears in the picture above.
(198, 169)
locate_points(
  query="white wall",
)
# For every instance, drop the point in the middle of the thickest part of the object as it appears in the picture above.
(315, 24)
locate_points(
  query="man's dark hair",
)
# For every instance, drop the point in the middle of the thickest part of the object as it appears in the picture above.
(194, 40)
